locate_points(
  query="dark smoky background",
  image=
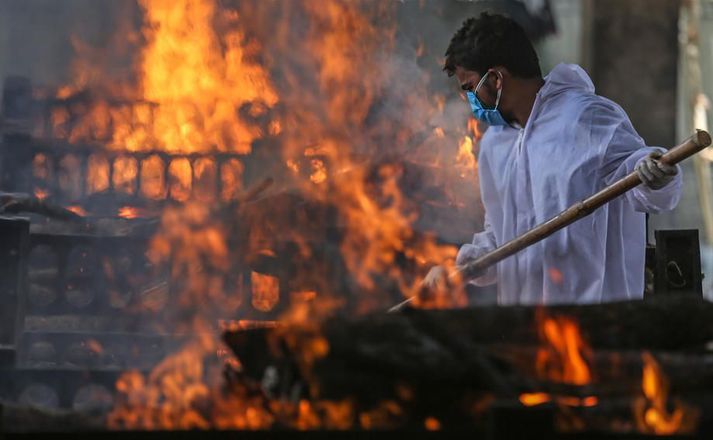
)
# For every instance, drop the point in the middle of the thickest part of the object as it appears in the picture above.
(41, 38)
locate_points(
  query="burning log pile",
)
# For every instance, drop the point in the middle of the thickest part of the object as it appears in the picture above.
(626, 367)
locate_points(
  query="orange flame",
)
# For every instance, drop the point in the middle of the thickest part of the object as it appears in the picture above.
(190, 86)
(41, 193)
(319, 171)
(465, 158)
(77, 210)
(205, 85)
(651, 411)
(207, 82)
(474, 128)
(265, 290)
(94, 346)
(562, 359)
(128, 212)
(556, 276)
(534, 399)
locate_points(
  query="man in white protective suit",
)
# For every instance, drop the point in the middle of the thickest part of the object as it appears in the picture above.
(552, 142)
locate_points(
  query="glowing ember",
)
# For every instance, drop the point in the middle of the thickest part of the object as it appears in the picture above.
(555, 275)
(265, 291)
(77, 210)
(153, 185)
(41, 194)
(534, 399)
(97, 173)
(303, 295)
(125, 172)
(94, 346)
(432, 424)
(572, 401)
(562, 359)
(128, 212)
(243, 324)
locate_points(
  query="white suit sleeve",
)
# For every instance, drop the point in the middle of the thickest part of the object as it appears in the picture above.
(621, 149)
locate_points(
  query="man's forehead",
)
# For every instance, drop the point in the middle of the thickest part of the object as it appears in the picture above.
(464, 75)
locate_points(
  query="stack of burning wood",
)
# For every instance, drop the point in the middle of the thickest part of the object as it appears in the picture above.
(642, 366)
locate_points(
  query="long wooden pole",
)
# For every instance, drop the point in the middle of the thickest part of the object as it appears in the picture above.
(697, 142)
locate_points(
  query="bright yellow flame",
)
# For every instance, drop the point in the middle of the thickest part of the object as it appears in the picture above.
(319, 171)
(465, 159)
(208, 81)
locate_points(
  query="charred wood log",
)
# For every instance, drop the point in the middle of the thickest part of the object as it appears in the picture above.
(457, 351)
(20, 202)
(26, 419)
(659, 323)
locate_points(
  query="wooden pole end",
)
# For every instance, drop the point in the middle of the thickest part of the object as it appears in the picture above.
(702, 138)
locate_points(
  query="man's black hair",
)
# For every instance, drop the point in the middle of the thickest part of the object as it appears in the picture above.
(492, 40)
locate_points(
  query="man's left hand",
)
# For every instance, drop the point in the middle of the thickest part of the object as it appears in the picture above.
(654, 173)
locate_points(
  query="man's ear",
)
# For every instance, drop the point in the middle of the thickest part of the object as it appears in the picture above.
(499, 73)
(497, 76)
(503, 71)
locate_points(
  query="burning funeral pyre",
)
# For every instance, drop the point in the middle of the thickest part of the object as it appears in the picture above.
(217, 229)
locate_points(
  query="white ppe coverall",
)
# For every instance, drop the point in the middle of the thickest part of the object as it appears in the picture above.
(574, 144)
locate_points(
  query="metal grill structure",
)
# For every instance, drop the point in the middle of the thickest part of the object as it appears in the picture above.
(79, 306)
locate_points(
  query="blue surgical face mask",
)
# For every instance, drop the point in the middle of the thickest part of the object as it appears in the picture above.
(489, 116)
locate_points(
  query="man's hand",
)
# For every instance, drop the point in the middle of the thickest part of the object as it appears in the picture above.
(440, 281)
(440, 290)
(467, 253)
(436, 279)
(654, 173)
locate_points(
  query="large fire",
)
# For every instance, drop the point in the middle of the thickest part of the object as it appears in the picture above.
(313, 94)
(191, 82)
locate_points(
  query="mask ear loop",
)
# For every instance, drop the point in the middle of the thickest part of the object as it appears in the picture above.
(480, 83)
(477, 87)
(497, 98)
(500, 91)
